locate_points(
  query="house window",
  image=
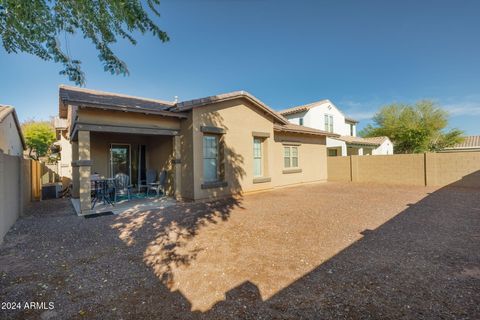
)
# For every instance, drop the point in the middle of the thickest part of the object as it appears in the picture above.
(328, 123)
(210, 158)
(300, 121)
(332, 152)
(290, 157)
(351, 129)
(257, 157)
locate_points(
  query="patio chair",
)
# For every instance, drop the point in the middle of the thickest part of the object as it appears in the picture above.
(150, 177)
(122, 185)
(158, 185)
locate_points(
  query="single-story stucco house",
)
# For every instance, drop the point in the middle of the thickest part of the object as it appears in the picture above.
(210, 147)
(11, 137)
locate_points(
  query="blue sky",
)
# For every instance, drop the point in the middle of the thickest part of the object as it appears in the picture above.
(359, 54)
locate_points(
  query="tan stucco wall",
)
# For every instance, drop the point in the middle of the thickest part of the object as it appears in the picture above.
(338, 168)
(15, 189)
(10, 141)
(406, 169)
(460, 168)
(239, 119)
(432, 169)
(129, 119)
(312, 159)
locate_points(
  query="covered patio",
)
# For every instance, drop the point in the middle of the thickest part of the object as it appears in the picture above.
(107, 151)
(112, 135)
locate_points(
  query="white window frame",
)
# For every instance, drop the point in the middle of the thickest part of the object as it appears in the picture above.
(328, 122)
(217, 158)
(290, 157)
(260, 157)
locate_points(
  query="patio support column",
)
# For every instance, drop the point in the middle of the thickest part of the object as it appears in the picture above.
(177, 163)
(84, 168)
(75, 173)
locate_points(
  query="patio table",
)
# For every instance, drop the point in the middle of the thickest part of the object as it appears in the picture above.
(101, 190)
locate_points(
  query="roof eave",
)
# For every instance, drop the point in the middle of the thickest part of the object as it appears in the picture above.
(120, 108)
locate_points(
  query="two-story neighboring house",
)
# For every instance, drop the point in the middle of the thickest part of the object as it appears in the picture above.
(324, 115)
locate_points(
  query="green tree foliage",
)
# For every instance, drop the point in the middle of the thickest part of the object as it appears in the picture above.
(36, 27)
(414, 128)
(39, 136)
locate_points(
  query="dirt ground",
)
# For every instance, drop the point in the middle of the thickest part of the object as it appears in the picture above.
(319, 251)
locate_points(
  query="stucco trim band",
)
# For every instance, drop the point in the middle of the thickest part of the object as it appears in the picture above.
(212, 185)
(261, 134)
(216, 130)
(288, 171)
(262, 180)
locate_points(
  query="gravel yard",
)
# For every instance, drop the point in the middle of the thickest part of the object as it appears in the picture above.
(332, 250)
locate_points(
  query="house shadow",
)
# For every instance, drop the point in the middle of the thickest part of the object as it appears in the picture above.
(423, 263)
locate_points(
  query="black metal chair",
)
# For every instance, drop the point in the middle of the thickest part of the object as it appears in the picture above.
(122, 185)
(158, 186)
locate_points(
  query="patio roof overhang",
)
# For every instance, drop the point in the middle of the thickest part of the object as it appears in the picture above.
(79, 126)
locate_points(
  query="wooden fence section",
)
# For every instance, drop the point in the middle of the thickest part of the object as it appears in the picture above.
(428, 169)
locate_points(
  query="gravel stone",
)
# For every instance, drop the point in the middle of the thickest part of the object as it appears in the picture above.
(316, 251)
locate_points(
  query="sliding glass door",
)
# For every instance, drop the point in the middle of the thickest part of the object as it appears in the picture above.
(120, 159)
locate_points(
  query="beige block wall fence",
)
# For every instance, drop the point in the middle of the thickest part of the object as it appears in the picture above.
(429, 169)
(17, 188)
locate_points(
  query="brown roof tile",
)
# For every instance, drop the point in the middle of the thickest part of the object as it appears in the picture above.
(468, 142)
(358, 140)
(302, 108)
(378, 140)
(88, 97)
(295, 128)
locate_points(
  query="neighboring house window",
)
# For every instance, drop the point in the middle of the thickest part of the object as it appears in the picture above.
(300, 121)
(328, 123)
(210, 158)
(332, 152)
(257, 157)
(290, 157)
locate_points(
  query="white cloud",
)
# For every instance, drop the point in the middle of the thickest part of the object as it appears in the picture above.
(362, 115)
(358, 110)
(468, 108)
